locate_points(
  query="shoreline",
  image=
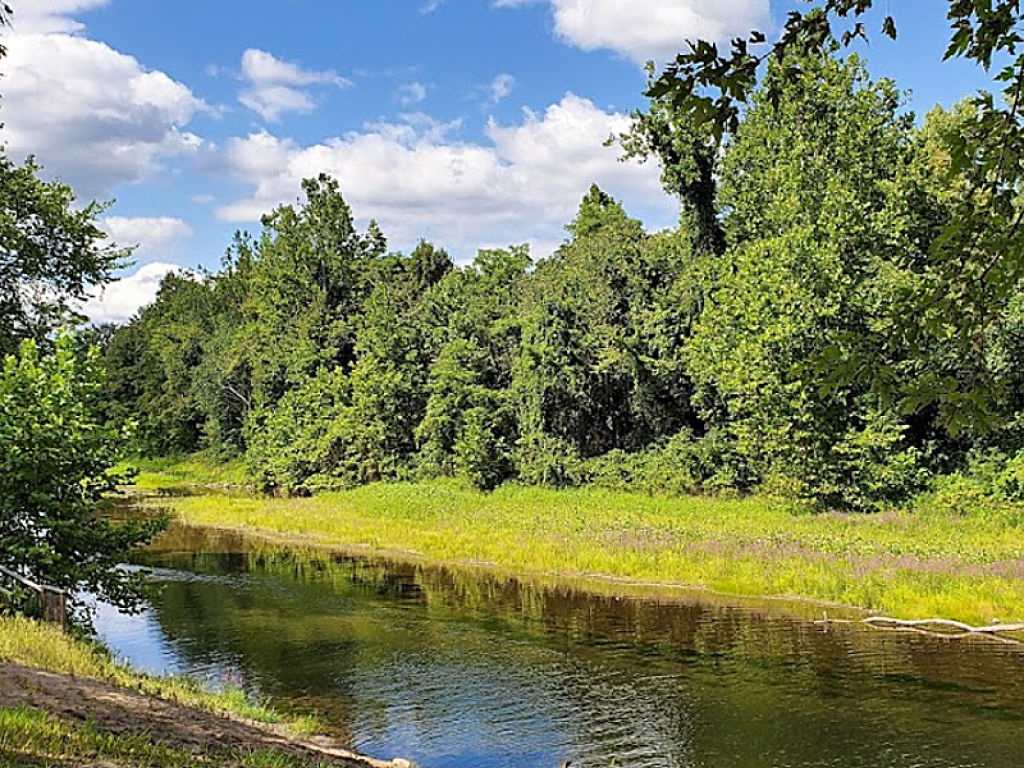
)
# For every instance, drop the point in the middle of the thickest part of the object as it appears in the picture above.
(597, 584)
(63, 698)
(753, 551)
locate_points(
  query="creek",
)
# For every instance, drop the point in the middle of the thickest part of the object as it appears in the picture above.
(455, 668)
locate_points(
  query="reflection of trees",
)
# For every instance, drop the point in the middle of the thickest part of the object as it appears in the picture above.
(458, 658)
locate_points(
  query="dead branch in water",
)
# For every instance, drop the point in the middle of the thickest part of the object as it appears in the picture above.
(932, 627)
(966, 628)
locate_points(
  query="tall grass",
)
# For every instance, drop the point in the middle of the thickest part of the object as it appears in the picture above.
(196, 469)
(931, 561)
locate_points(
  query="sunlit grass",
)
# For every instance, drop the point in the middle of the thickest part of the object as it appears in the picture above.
(40, 646)
(913, 564)
(31, 737)
(197, 469)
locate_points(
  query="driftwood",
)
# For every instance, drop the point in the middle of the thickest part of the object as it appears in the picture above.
(959, 625)
(934, 627)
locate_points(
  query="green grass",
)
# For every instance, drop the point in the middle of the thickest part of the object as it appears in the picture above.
(932, 561)
(40, 646)
(31, 737)
(197, 469)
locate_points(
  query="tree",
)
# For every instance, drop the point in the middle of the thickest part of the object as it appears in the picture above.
(470, 321)
(976, 263)
(980, 32)
(592, 373)
(56, 454)
(824, 218)
(159, 355)
(310, 272)
(51, 254)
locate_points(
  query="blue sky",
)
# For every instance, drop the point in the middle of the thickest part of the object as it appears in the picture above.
(474, 123)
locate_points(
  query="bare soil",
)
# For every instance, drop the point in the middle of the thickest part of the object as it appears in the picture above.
(121, 711)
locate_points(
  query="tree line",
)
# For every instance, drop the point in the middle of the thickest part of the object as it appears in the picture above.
(763, 343)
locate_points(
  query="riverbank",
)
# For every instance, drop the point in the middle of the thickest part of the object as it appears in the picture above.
(63, 701)
(934, 561)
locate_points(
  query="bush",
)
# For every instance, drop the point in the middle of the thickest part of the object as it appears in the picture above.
(292, 442)
(682, 465)
(550, 461)
(1009, 484)
(481, 452)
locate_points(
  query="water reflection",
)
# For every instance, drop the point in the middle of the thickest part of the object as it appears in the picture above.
(454, 669)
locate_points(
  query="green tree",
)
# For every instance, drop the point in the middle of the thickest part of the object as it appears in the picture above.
(311, 271)
(817, 227)
(599, 365)
(51, 254)
(471, 323)
(974, 267)
(158, 355)
(56, 454)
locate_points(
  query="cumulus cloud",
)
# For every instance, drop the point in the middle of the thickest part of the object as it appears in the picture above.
(154, 236)
(157, 238)
(120, 300)
(51, 15)
(418, 180)
(275, 87)
(94, 117)
(652, 29)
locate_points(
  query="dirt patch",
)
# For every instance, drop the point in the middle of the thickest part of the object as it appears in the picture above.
(121, 711)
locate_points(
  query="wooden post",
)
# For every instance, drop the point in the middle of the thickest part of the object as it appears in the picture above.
(55, 606)
(52, 601)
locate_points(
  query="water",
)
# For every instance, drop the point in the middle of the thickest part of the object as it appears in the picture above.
(453, 669)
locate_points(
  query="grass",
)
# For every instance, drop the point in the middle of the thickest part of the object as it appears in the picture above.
(931, 561)
(197, 469)
(40, 646)
(31, 737)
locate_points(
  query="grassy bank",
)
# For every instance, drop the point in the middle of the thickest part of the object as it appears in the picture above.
(70, 729)
(197, 469)
(40, 646)
(931, 561)
(33, 737)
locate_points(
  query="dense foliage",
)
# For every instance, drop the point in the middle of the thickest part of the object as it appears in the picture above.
(763, 342)
(965, 276)
(56, 453)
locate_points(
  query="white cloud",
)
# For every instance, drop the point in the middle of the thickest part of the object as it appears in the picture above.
(94, 117)
(418, 180)
(275, 86)
(154, 236)
(120, 300)
(652, 29)
(50, 15)
(501, 87)
(411, 93)
(157, 239)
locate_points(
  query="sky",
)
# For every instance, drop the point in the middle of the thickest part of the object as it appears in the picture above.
(471, 123)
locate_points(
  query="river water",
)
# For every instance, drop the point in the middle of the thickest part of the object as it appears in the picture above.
(454, 669)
